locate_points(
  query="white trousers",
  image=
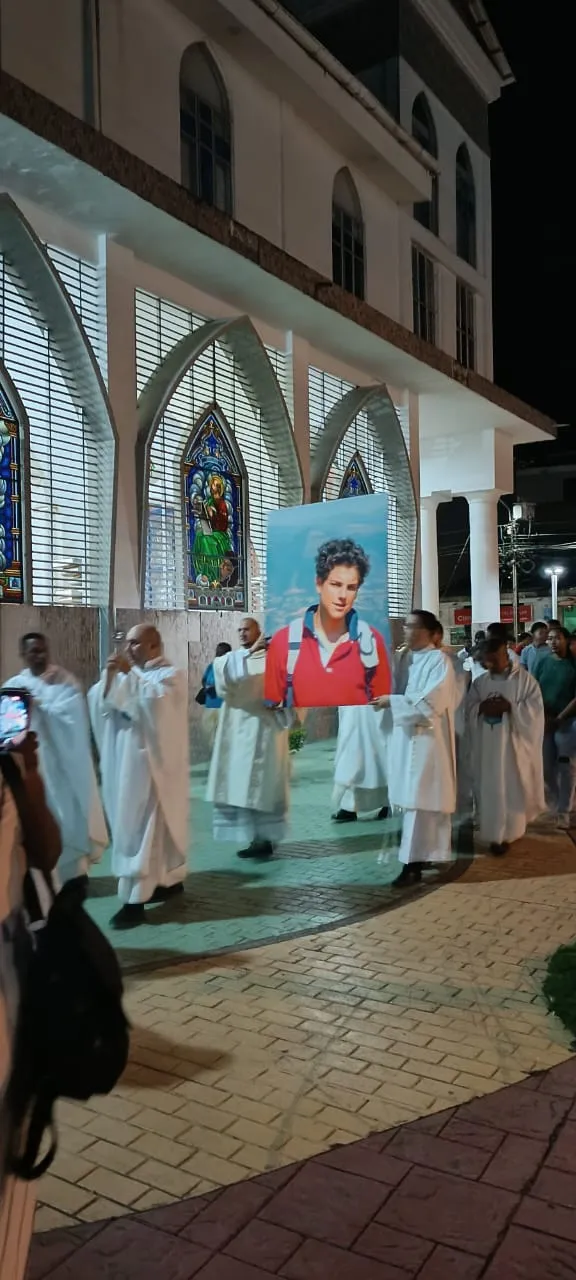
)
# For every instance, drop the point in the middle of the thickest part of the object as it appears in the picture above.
(426, 837)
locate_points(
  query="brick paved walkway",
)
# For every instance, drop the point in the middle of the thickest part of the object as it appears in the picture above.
(243, 1064)
(325, 874)
(484, 1190)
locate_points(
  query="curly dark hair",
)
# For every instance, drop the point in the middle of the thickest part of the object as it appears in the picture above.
(341, 551)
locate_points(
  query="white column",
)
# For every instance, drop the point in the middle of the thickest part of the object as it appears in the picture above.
(429, 554)
(484, 561)
(122, 392)
(299, 350)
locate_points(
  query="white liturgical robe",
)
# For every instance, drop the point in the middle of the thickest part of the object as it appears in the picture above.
(249, 779)
(360, 783)
(507, 755)
(60, 721)
(141, 728)
(422, 762)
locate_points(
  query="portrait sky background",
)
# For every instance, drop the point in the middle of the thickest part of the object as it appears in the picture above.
(294, 537)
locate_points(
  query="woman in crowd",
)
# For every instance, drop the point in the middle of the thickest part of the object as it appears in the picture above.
(555, 671)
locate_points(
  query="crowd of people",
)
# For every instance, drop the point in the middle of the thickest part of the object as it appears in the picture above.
(488, 733)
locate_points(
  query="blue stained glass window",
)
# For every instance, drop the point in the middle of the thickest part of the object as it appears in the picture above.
(11, 574)
(214, 518)
(355, 480)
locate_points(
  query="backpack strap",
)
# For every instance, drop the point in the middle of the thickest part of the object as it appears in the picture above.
(25, 1164)
(367, 645)
(368, 650)
(295, 632)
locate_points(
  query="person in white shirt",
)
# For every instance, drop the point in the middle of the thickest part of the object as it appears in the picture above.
(360, 767)
(422, 769)
(249, 778)
(60, 721)
(139, 713)
(505, 717)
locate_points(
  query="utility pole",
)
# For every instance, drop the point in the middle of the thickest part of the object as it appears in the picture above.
(513, 555)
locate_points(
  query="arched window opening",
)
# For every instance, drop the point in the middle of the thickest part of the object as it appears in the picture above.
(11, 537)
(348, 266)
(214, 514)
(355, 482)
(424, 133)
(243, 430)
(465, 207)
(71, 441)
(370, 458)
(205, 132)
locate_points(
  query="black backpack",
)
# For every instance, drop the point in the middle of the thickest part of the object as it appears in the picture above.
(72, 1036)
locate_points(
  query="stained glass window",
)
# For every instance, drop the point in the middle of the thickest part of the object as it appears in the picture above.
(215, 518)
(355, 479)
(11, 576)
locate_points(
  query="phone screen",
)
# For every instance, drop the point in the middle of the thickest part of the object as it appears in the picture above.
(14, 716)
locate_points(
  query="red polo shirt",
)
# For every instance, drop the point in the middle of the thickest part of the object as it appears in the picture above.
(341, 683)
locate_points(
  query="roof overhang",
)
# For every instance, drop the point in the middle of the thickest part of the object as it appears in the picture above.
(65, 168)
(281, 55)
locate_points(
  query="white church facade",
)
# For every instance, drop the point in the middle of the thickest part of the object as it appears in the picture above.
(230, 275)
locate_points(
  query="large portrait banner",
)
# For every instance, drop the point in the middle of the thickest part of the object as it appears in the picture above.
(327, 615)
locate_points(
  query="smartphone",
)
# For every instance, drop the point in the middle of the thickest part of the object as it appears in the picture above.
(14, 717)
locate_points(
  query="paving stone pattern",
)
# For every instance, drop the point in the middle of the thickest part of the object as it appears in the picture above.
(324, 874)
(246, 1063)
(487, 1189)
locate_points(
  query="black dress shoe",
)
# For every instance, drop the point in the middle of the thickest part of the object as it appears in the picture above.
(345, 815)
(163, 893)
(384, 813)
(258, 849)
(498, 850)
(129, 916)
(410, 874)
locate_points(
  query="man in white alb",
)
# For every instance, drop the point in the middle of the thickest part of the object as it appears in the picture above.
(139, 713)
(249, 777)
(59, 719)
(462, 680)
(422, 768)
(505, 715)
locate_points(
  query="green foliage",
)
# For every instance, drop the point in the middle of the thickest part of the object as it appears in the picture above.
(297, 738)
(560, 986)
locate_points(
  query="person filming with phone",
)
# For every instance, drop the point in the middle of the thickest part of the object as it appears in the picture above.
(59, 718)
(28, 835)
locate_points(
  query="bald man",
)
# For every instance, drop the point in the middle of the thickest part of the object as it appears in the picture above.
(249, 775)
(139, 713)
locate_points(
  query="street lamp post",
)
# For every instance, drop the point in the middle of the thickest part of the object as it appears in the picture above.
(554, 573)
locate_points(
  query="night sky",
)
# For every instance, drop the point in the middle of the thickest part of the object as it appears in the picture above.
(531, 129)
(533, 213)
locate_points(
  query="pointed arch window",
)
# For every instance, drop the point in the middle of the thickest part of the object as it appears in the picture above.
(11, 550)
(424, 132)
(355, 481)
(348, 265)
(465, 207)
(215, 517)
(205, 130)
